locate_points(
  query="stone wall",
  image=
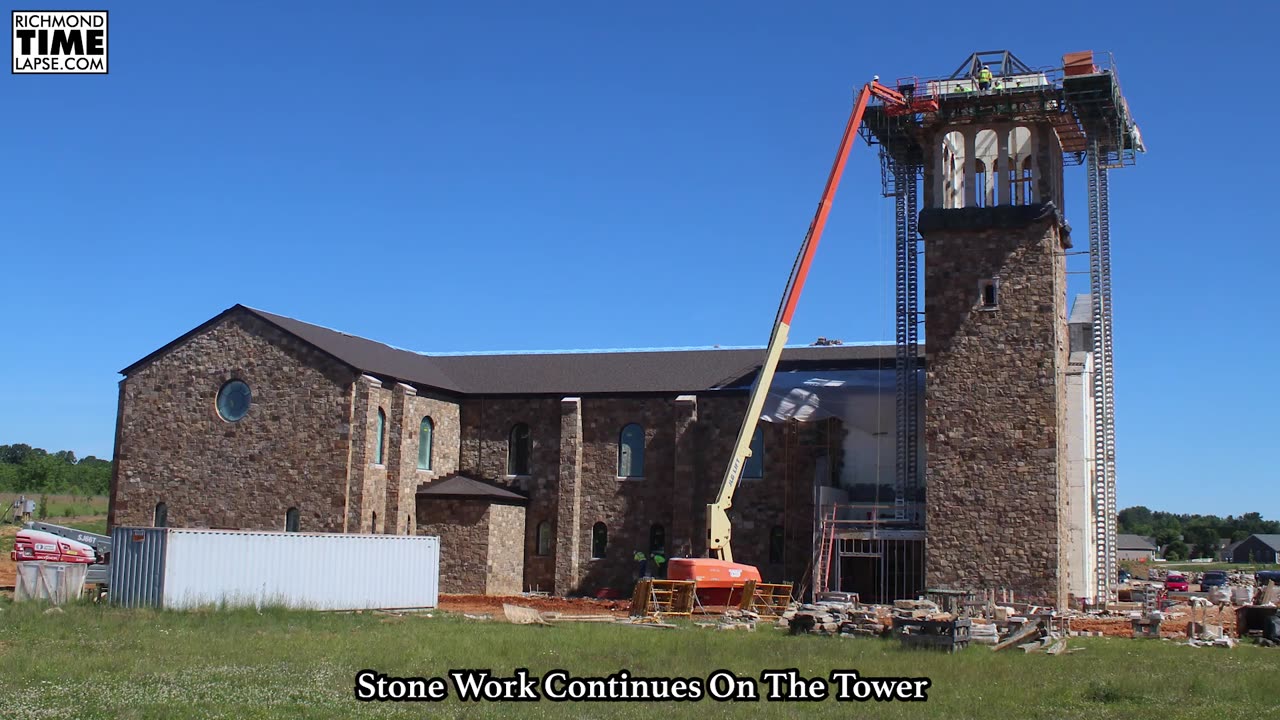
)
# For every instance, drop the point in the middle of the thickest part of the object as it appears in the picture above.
(995, 409)
(463, 529)
(505, 566)
(290, 450)
(444, 451)
(486, 425)
(573, 483)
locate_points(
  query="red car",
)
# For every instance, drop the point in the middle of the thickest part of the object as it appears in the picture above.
(1175, 583)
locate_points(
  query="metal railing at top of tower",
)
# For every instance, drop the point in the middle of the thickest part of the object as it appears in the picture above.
(968, 86)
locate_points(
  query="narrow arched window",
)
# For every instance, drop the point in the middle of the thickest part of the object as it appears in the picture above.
(754, 466)
(518, 450)
(544, 538)
(373, 523)
(161, 518)
(291, 519)
(599, 540)
(631, 452)
(777, 544)
(657, 538)
(425, 431)
(382, 433)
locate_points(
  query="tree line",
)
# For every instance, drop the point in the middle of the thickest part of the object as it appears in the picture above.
(24, 469)
(1182, 536)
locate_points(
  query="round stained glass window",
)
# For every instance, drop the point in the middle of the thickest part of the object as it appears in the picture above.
(233, 400)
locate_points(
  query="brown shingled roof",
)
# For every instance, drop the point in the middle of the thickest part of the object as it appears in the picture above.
(595, 372)
(461, 486)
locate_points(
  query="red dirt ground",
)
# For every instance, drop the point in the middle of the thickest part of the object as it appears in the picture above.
(1170, 627)
(492, 605)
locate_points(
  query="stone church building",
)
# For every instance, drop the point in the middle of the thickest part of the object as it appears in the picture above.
(542, 471)
(549, 471)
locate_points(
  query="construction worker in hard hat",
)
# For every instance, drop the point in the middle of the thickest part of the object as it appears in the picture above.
(984, 78)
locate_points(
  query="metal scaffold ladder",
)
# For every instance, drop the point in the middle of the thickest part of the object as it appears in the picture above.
(1103, 383)
(907, 335)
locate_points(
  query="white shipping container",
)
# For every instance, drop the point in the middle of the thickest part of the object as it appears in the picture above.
(188, 568)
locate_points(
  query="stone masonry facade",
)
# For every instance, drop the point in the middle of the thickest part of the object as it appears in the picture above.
(481, 544)
(995, 410)
(310, 441)
(290, 451)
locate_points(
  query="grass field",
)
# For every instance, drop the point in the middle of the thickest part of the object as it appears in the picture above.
(97, 662)
(63, 506)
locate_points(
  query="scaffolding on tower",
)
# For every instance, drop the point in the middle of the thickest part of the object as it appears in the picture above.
(1082, 101)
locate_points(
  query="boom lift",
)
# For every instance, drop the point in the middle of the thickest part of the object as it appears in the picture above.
(717, 571)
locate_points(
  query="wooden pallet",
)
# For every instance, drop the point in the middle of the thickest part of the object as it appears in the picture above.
(656, 598)
(768, 600)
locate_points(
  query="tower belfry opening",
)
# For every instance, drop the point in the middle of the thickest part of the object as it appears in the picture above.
(975, 169)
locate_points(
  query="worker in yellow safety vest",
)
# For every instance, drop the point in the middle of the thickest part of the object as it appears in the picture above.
(659, 559)
(640, 557)
(984, 78)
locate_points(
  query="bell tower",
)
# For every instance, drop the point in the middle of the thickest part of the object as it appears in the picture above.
(989, 162)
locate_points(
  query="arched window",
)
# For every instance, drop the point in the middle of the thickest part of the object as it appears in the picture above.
(543, 538)
(980, 181)
(777, 544)
(425, 431)
(382, 432)
(986, 153)
(754, 466)
(408, 524)
(161, 518)
(631, 452)
(1020, 165)
(953, 153)
(291, 519)
(373, 523)
(657, 538)
(518, 450)
(599, 540)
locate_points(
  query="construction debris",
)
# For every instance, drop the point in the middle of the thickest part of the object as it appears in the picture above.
(518, 615)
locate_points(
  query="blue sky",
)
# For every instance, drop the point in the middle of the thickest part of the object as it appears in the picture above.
(496, 176)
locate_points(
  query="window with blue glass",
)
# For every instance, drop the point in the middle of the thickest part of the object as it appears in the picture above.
(425, 431)
(631, 452)
(382, 432)
(234, 399)
(754, 466)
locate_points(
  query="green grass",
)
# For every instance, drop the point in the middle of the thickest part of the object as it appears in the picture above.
(63, 506)
(98, 662)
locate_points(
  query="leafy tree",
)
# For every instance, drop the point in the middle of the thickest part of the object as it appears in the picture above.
(1176, 550)
(25, 469)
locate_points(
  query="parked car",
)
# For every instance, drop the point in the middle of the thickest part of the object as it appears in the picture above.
(1125, 576)
(1265, 576)
(1175, 582)
(1212, 579)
